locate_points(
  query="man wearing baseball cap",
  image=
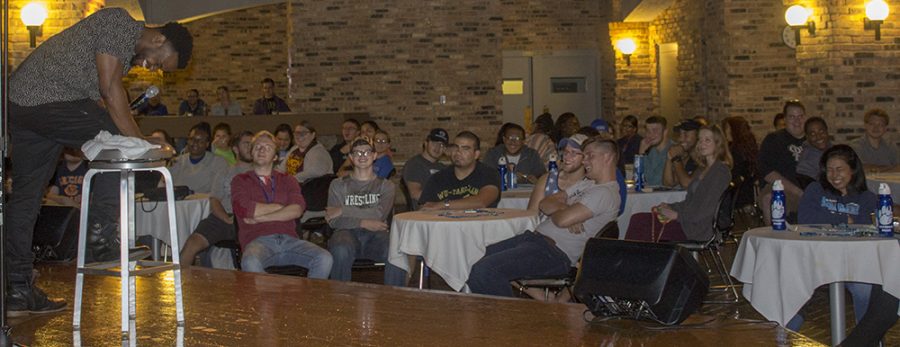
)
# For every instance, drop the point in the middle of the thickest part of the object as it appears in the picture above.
(419, 169)
(680, 165)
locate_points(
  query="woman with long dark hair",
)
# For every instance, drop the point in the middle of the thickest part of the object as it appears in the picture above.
(539, 139)
(566, 125)
(840, 196)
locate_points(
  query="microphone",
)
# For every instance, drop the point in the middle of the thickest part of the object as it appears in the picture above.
(143, 98)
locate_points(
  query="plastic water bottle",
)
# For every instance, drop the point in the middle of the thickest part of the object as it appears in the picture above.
(552, 186)
(512, 182)
(638, 173)
(778, 222)
(501, 166)
(885, 212)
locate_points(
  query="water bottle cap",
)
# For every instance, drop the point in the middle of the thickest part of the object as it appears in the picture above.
(501, 161)
(884, 189)
(777, 185)
(553, 157)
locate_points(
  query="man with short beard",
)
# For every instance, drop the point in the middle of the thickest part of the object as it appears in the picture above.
(468, 184)
(219, 225)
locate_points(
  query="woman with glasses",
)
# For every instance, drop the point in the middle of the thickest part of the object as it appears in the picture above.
(383, 165)
(526, 162)
(308, 158)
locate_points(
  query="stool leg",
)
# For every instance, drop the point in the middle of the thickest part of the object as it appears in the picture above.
(176, 246)
(132, 298)
(82, 240)
(123, 252)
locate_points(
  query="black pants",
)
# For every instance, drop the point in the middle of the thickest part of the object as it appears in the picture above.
(38, 134)
(879, 318)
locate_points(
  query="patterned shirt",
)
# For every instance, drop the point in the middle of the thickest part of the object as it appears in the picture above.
(64, 68)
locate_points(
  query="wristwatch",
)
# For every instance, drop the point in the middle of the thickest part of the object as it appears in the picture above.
(447, 204)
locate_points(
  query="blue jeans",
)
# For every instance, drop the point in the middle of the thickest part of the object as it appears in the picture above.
(859, 292)
(347, 245)
(525, 255)
(280, 249)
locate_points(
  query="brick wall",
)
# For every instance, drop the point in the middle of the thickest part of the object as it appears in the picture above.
(395, 59)
(236, 49)
(60, 15)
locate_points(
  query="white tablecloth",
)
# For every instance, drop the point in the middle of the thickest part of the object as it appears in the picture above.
(643, 202)
(152, 217)
(780, 270)
(451, 245)
(891, 178)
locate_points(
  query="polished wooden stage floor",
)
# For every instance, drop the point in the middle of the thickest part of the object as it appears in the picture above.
(229, 308)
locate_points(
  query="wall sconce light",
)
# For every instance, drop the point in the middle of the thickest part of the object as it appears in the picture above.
(798, 18)
(626, 47)
(33, 15)
(876, 12)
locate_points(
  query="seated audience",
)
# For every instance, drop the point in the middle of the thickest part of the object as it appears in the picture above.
(566, 125)
(153, 107)
(269, 103)
(66, 187)
(198, 168)
(575, 215)
(266, 205)
(655, 148)
(680, 166)
(881, 315)
(219, 225)
(571, 170)
(284, 141)
(419, 169)
(539, 139)
(162, 137)
(817, 141)
(691, 219)
(338, 152)
(875, 151)
(744, 151)
(308, 159)
(368, 129)
(384, 166)
(225, 106)
(526, 162)
(840, 196)
(193, 105)
(221, 143)
(467, 184)
(778, 156)
(359, 209)
(630, 142)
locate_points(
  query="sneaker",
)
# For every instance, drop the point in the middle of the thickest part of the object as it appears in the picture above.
(25, 299)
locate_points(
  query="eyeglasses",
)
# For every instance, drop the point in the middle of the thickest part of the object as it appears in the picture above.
(514, 138)
(357, 154)
(382, 141)
(570, 153)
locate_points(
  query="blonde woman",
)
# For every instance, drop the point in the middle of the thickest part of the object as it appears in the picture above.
(692, 218)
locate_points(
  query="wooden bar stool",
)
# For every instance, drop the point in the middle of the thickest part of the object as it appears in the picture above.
(112, 160)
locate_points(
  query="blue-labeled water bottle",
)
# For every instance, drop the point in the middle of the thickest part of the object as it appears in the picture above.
(885, 212)
(552, 185)
(512, 182)
(778, 210)
(504, 178)
(638, 173)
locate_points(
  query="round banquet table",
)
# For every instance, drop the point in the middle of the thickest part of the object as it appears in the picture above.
(781, 269)
(451, 241)
(152, 218)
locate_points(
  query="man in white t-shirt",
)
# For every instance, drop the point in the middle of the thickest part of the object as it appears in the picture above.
(575, 215)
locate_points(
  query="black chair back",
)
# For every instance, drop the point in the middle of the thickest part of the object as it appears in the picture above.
(315, 192)
(610, 230)
(724, 220)
(405, 190)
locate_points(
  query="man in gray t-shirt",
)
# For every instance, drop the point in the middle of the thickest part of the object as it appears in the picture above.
(574, 216)
(64, 93)
(419, 169)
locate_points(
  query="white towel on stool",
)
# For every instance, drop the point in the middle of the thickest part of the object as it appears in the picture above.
(131, 147)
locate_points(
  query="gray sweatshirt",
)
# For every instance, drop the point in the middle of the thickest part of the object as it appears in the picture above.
(360, 200)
